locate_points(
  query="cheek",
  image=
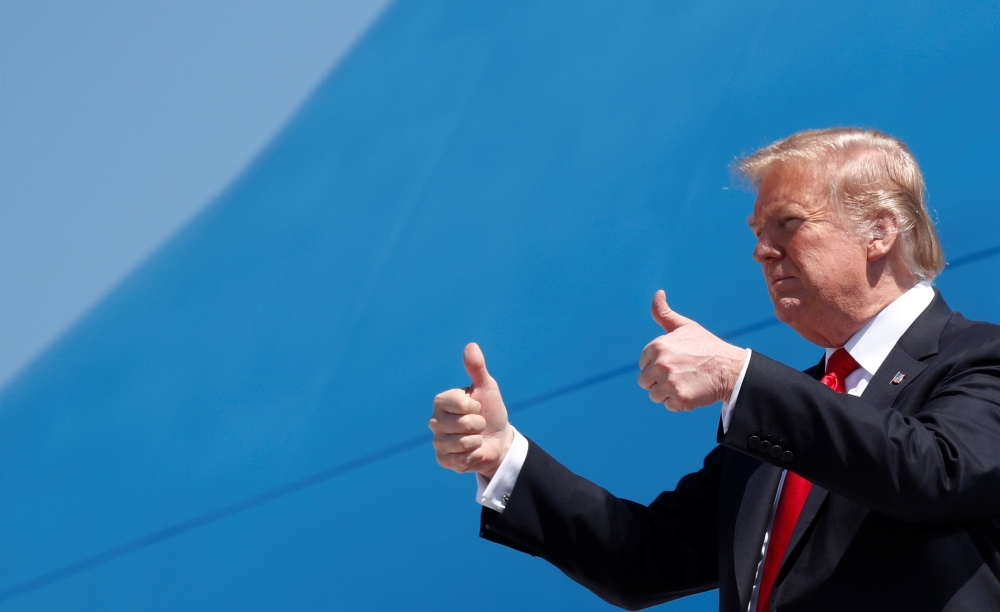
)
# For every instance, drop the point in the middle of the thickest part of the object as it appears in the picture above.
(833, 267)
(813, 269)
(800, 260)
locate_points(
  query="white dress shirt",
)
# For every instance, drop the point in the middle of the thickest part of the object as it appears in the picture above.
(869, 347)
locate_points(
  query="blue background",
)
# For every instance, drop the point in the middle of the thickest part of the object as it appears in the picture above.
(521, 174)
(120, 120)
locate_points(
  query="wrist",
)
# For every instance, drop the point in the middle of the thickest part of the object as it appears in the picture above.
(733, 365)
(507, 441)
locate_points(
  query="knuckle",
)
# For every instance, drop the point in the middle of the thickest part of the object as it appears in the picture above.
(441, 404)
(469, 443)
(687, 398)
(465, 423)
(444, 397)
(475, 423)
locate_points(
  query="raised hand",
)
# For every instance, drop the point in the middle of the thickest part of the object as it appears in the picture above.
(471, 432)
(689, 367)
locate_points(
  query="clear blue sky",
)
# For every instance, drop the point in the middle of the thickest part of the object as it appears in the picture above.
(119, 120)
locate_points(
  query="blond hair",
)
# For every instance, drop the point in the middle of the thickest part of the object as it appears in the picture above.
(871, 174)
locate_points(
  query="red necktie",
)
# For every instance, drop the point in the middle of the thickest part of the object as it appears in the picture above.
(795, 490)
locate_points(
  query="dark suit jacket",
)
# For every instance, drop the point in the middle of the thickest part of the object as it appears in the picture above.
(903, 514)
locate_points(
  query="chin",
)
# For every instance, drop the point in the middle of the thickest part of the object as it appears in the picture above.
(786, 309)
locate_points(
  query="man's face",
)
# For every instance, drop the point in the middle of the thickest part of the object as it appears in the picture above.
(815, 268)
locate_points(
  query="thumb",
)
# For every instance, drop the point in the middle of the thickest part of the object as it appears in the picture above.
(664, 316)
(475, 365)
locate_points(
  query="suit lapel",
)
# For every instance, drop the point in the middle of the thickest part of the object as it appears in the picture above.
(921, 339)
(751, 524)
(906, 360)
(881, 390)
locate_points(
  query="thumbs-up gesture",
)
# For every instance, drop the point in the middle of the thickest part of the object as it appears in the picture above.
(688, 367)
(471, 432)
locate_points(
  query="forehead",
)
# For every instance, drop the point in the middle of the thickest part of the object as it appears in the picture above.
(803, 186)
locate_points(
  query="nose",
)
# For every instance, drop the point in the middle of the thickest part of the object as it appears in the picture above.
(766, 249)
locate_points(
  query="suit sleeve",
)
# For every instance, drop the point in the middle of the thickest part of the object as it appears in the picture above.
(930, 459)
(631, 555)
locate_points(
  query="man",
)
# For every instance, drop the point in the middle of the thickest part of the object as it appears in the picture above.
(869, 482)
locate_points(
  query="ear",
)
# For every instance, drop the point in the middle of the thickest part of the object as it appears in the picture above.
(884, 236)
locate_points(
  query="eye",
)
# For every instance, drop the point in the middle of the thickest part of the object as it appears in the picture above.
(789, 221)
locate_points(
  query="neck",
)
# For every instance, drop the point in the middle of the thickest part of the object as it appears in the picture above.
(885, 291)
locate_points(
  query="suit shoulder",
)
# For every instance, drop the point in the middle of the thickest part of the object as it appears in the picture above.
(961, 334)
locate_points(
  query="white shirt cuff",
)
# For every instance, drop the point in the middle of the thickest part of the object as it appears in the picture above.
(727, 406)
(495, 493)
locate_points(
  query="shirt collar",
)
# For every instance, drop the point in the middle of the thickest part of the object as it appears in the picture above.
(873, 342)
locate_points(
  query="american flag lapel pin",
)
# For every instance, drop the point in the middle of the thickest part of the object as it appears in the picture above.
(898, 378)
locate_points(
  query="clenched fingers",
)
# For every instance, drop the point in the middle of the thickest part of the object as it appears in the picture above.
(456, 444)
(458, 428)
(659, 393)
(456, 401)
(649, 354)
(652, 373)
(446, 423)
